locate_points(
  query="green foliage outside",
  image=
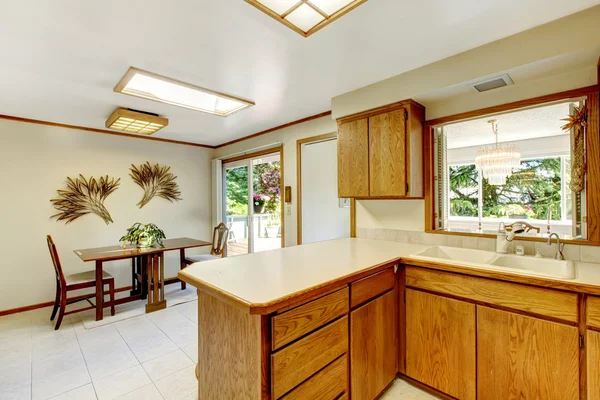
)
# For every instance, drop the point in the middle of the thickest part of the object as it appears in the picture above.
(528, 192)
(266, 182)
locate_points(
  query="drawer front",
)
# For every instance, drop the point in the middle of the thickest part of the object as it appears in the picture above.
(327, 384)
(291, 325)
(372, 286)
(297, 362)
(547, 302)
(593, 311)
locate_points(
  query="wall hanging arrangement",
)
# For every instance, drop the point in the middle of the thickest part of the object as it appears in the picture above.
(84, 196)
(156, 181)
(578, 122)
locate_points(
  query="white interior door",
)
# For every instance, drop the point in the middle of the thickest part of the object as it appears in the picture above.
(322, 216)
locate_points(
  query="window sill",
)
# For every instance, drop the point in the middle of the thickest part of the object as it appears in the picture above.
(529, 238)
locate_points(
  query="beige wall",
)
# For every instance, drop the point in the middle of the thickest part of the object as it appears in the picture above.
(36, 159)
(288, 137)
(574, 32)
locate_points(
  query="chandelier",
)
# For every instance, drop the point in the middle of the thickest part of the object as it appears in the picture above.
(496, 163)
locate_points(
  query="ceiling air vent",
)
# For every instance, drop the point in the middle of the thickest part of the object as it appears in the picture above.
(493, 83)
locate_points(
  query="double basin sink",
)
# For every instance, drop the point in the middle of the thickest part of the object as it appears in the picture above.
(490, 260)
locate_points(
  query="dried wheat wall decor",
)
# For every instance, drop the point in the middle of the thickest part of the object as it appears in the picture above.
(578, 122)
(156, 181)
(84, 197)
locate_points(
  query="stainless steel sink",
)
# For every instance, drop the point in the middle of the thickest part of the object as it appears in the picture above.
(491, 260)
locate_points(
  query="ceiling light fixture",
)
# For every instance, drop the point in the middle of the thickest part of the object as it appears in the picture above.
(133, 121)
(148, 85)
(306, 16)
(497, 163)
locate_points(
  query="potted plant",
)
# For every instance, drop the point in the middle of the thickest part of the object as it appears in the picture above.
(148, 235)
(273, 225)
(259, 201)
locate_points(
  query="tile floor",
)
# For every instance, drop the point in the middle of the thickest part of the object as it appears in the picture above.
(147, 357)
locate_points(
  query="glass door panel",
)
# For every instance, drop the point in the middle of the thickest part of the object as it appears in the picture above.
(236, 207)
(266, 207)
(252, 204)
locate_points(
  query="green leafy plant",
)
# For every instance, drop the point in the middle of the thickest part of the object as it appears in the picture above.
(147, 235)
(84, 196)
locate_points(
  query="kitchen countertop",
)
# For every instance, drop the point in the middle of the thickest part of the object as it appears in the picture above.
(264, 282)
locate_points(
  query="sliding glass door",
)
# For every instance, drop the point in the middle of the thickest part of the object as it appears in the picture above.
(252, 203)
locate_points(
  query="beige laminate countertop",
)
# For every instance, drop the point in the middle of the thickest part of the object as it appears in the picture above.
(264, 282)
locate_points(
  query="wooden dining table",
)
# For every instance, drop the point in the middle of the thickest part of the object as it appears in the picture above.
(148, 270)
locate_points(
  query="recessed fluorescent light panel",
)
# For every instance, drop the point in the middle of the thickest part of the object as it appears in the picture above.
(133, 121)
(306, 16)
(147, 85)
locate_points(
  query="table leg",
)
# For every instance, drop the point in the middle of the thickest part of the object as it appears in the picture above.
(182, 265)
(99, 291)
(156, 286)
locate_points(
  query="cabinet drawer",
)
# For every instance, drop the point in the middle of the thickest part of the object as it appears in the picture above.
(372, 286)
(297, 362)
(536, 300)
(291, 325)
(327, 384)
(593, 311)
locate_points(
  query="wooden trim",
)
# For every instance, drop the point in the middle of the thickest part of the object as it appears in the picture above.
(50, 303)
(299, 143)
(549, 98)
(378, 110)
(282, 194)
(428, 189)
(83, 128)
(132, 71)
(328, 19)
(593, 168)
(300, 121)
(352, 217)
(255, 154)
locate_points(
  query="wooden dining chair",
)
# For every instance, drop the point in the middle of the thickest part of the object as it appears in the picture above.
(77, 281)
(218, 250)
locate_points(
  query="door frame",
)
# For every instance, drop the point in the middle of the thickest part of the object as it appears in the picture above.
(314, 139)
(246, 156)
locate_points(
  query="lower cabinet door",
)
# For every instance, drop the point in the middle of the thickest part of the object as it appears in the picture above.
(521, 357)
(593, 364)
(374, 346)
(440, 343)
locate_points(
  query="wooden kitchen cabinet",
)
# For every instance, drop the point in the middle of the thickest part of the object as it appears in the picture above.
(353, 158)
(441, 343)
(380, 152)
(593, 365)
(526, 358)
(373, 346)
(387, 153)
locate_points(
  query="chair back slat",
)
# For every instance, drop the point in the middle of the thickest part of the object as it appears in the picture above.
(60, 277)
(220, 235)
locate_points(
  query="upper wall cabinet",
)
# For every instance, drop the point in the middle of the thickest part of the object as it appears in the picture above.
(380, 152)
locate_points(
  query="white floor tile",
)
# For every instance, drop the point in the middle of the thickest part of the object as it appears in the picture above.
(51, 345)
(108, 358)
(144, 338)
(20, 393)
(192, 352)
(59, 374)
(86, 392)
(189, 310)
(178, 385)
(148, 392)
(15, 366)
(193, 396)
(167, 364)
(402, 390)
(94, 337)
(178, 328)
(121, 383)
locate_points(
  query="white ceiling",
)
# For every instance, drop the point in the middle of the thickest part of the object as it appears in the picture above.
(62, 58)
(520, 125)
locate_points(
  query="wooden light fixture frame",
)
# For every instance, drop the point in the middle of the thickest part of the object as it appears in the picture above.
(328, 18)
(136, 115)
